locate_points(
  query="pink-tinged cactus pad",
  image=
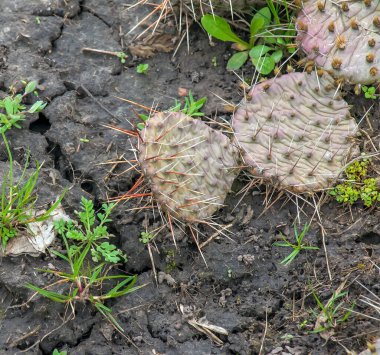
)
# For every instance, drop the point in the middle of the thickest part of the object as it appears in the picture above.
(295, 131)
(342, 37)
(189, 166)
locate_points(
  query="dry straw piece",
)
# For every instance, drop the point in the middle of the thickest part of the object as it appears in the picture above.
(189, 166)
(296, 131)
(342, 37)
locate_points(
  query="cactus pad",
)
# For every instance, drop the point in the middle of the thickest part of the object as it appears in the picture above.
(220, 7)
(189, 166)
(295, 131)
(342, 37)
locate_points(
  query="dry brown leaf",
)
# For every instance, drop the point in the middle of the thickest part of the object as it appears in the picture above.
(153, 43)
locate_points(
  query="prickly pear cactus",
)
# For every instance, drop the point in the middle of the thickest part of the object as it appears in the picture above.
(189, 166)
(342, 37)
(295, 131)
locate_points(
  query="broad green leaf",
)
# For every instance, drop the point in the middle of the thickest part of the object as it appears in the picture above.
(237, 60)
(264, 65)
(277, 55)
(270, 39)
(219, 28)
(265, 14)
(259, 51)
(257, 24)
(30, 87)
(37, 107)
(140, 126)
(10, 107)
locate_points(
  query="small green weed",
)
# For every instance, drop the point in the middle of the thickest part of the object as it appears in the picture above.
(146, 237)
(296, 247)
(12, 111)
(268, 38)
(18, 200)
(358, 185)
(369, 92)
(86, 279)
(122, 57)
(170, 261)
(332, 313)
(142, 68)
(57, 352)
(191, 107)
(88, 233)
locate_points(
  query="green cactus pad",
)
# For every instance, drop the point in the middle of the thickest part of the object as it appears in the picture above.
(342, 37)
(189, 166)
(295, 131)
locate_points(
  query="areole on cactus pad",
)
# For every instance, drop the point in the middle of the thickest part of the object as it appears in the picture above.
(342, 37)
(296, 131)
(189, 166)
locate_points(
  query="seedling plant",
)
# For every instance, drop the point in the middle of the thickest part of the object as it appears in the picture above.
(142, 68)
(268, 42)
(57, 352)
(370, 92)
(13, 111)
(296, 247)
(146, 237)
(88, 233)
(87, 279)
(18, 201)
(191, 107)
(333, 312)
(18, 198)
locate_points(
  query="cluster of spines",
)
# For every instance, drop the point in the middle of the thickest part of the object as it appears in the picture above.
(341, 40)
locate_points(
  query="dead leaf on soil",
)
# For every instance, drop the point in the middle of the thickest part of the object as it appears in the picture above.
(153, 43)
(203, 325)
(37, 238)
(373, 348)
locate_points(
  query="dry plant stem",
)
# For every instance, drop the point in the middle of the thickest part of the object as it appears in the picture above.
(100, 104)
(323, 232)
(148, 109)
(100, 51)
(152, 262)
(72, 316)
(209, 240)
(265, 332)
(15, 342)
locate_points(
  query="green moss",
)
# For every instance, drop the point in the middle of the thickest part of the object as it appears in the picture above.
(170, 261)
(358, 186)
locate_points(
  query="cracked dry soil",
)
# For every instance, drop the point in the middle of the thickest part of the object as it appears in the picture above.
(244, 288)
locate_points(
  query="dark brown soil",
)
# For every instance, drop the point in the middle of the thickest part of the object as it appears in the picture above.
(266, 305)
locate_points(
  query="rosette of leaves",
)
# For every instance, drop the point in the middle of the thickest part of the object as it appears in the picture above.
(267, 44)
